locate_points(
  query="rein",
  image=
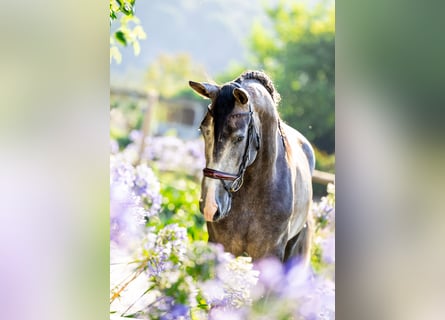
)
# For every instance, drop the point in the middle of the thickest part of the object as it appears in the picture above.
(237, 179)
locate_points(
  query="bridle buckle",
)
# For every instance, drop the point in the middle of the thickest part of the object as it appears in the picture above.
(237, 184)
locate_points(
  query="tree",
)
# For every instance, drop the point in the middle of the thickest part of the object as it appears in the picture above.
(169, 74)
(298, 53)
(126, 28)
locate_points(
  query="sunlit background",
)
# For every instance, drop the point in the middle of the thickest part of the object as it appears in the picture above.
(157, 153)
(55, 138)
(167, 43)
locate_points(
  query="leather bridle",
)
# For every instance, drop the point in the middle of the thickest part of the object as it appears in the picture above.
(237, 179)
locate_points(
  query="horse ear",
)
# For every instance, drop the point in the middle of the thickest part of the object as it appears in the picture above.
(207, 90)
(241, 95)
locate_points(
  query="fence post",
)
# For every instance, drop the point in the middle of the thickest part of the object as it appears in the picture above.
(152, 100)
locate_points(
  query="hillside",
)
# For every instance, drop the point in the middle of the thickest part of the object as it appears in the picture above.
(213, 33)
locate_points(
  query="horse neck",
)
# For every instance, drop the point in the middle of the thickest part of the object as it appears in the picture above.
(271, 144)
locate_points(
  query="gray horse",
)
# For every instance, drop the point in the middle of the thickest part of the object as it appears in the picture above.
(257, 185)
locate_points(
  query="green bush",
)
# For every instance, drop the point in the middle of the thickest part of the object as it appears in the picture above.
(181, 204)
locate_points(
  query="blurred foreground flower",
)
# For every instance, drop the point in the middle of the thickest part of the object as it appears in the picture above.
(168, 153)
(127, 217)
(157, 272)
(140, 179)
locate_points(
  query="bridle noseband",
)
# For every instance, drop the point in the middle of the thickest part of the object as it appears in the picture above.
(238, 178)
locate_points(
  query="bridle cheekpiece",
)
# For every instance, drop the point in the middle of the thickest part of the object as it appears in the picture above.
(237, 179)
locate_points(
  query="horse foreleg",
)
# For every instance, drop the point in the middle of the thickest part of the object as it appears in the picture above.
(301, 245)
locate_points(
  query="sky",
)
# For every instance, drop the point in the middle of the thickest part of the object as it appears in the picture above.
(213, 32)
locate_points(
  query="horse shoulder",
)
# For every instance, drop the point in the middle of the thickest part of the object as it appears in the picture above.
(301, 159)
(298, 145)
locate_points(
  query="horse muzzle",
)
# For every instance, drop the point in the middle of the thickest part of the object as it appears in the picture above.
(216, 216)
(216, 202)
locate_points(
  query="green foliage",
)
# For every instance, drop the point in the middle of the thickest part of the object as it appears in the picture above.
(323, 213)
(188, 94)
(232, 72)
(124, 116)
(325, 162)
(316, 258)
(127, 28)
(180, 204)
(299, 55)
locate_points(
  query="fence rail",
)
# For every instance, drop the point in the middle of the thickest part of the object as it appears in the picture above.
(319, 177)
(322, 177)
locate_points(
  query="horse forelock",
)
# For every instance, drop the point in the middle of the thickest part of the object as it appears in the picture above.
(223, 106)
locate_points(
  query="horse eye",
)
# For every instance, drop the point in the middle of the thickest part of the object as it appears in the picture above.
(239, 139)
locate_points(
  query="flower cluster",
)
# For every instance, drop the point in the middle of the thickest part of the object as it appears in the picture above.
(292, 291)
(140, 180)
(324, 214)
(158, 272)
(168, 153)
(167, 251)
(324, 211)
(289, 291)
(232, 285)
(127, 216)
(176, 279)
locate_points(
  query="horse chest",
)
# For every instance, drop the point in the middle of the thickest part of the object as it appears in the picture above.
(256, 225)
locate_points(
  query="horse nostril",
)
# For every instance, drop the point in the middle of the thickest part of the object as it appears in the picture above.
(216, 215)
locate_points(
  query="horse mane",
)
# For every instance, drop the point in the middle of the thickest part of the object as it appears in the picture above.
(264, 80)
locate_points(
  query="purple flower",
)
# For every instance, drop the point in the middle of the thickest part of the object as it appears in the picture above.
(168, 249)
(324, 210)
(173, 154)
(218, 314)
(135, 135)
(147, 186)
(237, 278)
(126, 215)
(114, 146)
(177, 311)
(271, 277)
(121, 170)
(328, 247)
(319, 303)
(140, 179)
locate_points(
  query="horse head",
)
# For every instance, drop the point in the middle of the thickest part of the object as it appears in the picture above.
(231, 145)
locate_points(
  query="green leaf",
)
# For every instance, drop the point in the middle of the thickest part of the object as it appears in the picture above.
(120, 36)
(127, 9)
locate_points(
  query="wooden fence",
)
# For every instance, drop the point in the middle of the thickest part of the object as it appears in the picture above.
(319, 177)
(322, 177)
